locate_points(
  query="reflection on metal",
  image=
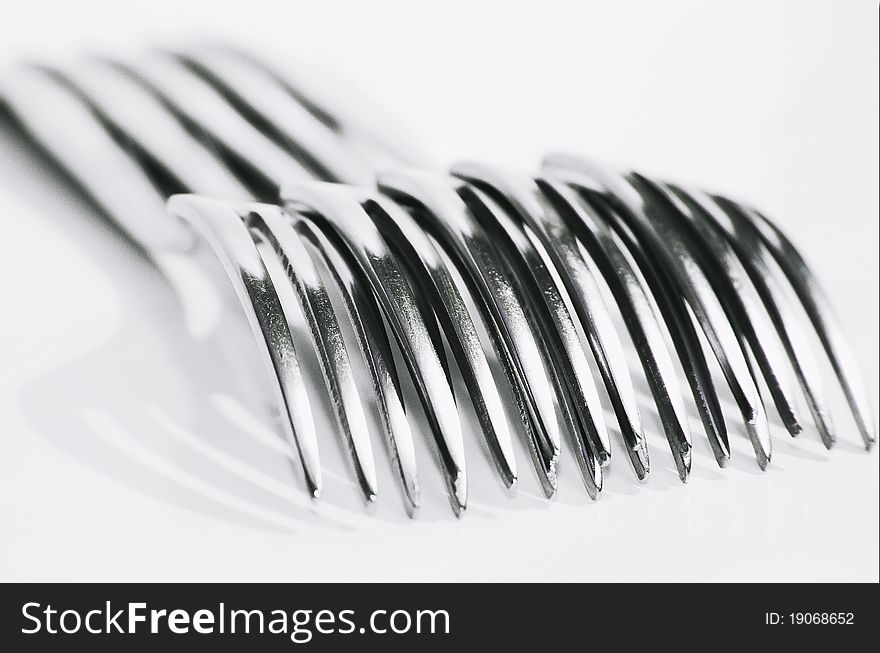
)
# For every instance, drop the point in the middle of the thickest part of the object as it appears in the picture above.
(303, 199)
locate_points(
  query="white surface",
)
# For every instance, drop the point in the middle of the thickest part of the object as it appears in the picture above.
(123, 457)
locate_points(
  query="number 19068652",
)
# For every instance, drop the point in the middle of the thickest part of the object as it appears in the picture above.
(810, 618)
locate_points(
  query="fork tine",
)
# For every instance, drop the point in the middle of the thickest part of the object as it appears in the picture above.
(634, 300)
(222, 224)
(89, 155)
(155, 133)
(54, 119)
(145, 126)
(558, 338)
(664, 241)
(258, 160)
(523, 198)
(340, 208)
(677, 316)
(820, 313)
(370, 133)
(376, 350)
(534, 272)
(419, 254)
(736, 292)
(275, 231)
(439, 209)
(260, 98)
(765, 274)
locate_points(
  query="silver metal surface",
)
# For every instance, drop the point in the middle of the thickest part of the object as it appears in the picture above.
(342, 209)
(633, 299)
(441, 295)
(376, 350)
(602, 218)
(708, 217)
(660, 236)
(405, 248)
(222, 224)
(820, 314)
(736, 292)
(438, 202)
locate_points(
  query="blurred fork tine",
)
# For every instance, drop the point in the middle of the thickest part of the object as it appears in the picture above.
(154, 133)
(329, 347)
(140, 122)
(257, 159)
(256, 94)
(371, 134)
(89, 155)
(216, 121)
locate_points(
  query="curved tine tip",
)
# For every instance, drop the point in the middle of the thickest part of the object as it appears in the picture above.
(731, 350)
(583, 172)
(222, 225)
(684, 462)
(816, 304)
(633, 300)
(340, 206)
(740, 291)
(759, 432)
(594, 489)
(641, 461)
(566, 352)
(743, 233)
(460, 491)
(758, 428)
(376, 353)
(450, 215)
(303, 285)
(445, 294)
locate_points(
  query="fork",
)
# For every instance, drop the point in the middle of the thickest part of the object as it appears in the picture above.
(531, 250)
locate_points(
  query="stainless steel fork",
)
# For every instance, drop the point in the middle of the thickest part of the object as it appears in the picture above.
(531, 251)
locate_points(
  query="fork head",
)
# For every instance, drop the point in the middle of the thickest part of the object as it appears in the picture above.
(485, 264)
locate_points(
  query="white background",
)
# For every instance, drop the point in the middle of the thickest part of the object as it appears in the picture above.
(123, 457)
